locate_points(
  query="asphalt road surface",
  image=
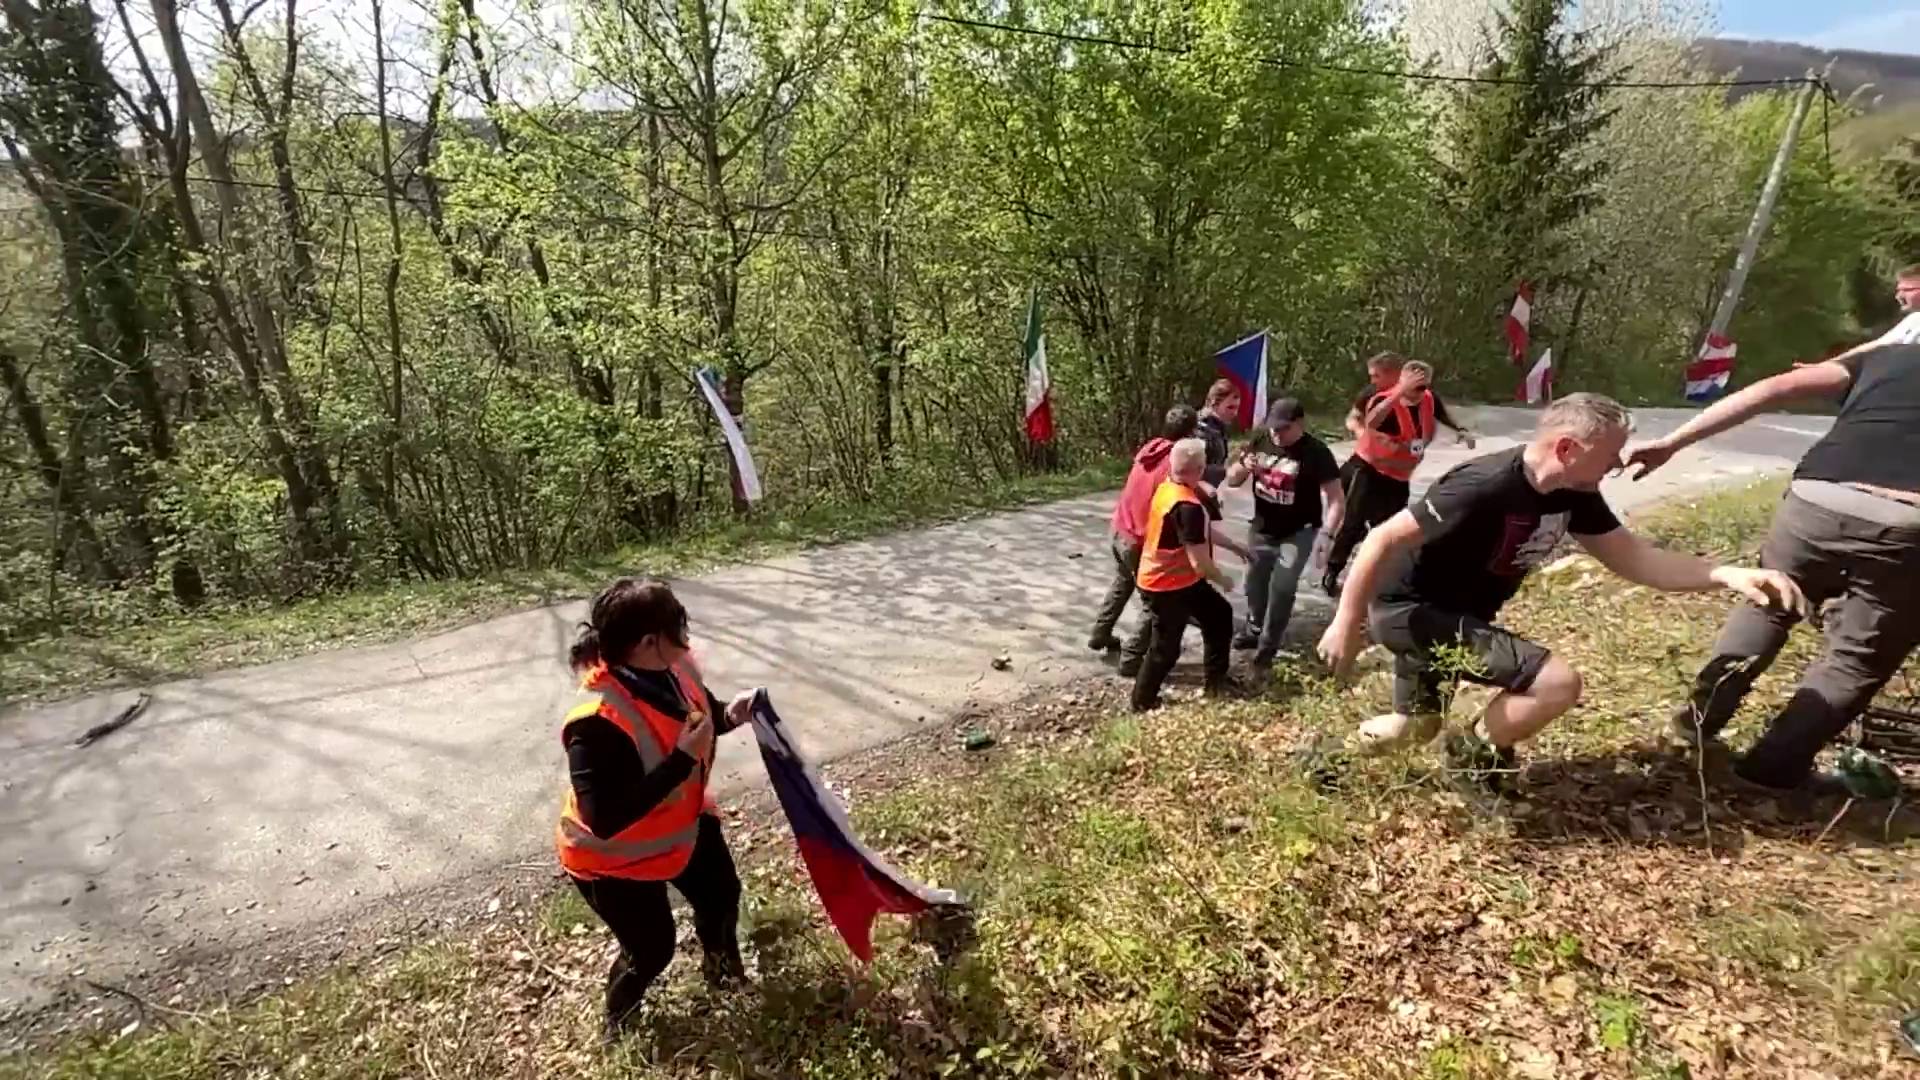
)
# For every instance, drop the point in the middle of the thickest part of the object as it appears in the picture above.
(296, 793)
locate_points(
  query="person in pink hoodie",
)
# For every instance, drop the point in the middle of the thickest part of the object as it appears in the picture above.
(1130, 530)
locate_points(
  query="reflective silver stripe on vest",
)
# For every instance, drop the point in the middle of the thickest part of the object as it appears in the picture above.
(644, 738)
(633, 850)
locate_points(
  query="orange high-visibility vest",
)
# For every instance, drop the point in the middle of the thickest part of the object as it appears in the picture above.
(658, 846)
(1397, 457)
(1165, 571)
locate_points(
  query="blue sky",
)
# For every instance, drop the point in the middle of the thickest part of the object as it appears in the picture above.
(1878, 25)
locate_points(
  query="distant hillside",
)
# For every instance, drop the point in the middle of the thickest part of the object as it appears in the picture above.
(1884, 86)
(1891, 79)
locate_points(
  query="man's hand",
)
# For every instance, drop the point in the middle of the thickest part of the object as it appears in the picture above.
(1467, 437)
(740, 709)
(696, 738)
(1650, 457)
(1767, 588)
(1411, 382)
(1339, 645)
(1318, 558)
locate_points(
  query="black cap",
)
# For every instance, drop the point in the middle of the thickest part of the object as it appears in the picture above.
(1285, 411)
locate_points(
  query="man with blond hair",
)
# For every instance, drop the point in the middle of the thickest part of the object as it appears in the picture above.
(1178, 576)
(1462, 550)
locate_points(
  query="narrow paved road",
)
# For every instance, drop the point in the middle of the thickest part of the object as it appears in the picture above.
(295, 793)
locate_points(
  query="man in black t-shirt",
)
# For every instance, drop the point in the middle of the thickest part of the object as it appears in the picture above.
(1472, 539)
(1293, 473)
(1848, 531)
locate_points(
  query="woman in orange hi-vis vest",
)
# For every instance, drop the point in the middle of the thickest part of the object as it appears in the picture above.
(637, 816)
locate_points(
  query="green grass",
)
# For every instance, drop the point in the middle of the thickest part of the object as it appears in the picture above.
(1174, 896)
(129, 645)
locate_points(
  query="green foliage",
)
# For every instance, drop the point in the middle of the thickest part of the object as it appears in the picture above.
(841, 207)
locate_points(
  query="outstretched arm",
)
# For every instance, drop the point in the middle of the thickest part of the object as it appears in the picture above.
(1828, 379)
(1640, 562)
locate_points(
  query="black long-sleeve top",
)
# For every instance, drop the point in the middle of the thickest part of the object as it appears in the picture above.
(610, 785)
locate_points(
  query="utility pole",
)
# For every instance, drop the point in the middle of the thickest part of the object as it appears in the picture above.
(1762, 214)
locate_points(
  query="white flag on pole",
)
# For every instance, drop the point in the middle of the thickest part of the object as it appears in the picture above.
(736, 442)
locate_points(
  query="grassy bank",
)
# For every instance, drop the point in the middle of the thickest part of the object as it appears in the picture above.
(1189, 895)
(126, 642)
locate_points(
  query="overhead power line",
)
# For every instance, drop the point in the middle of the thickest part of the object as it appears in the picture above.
(1353, 69)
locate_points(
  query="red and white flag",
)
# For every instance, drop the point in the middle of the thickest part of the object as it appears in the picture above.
(1538, 387)
(1520, 323)
(1039, 403)
(1708, 376)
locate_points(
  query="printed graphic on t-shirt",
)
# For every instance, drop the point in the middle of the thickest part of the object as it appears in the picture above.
(1527, 541)
(1275, 480)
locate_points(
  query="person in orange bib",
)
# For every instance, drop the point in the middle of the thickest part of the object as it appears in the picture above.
(1177, 575)
(637, 815)
(1393, 426)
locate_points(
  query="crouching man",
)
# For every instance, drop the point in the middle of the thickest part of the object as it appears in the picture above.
(1442, 569)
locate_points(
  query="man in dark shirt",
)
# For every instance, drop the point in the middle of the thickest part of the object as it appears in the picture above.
(1472, 538)
(1848, 532)
(1293, 473)
(1215, 428)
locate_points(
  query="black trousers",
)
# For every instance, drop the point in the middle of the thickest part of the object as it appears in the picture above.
(1372, 498)
(1868, 572)
(641, 918)
(1200, 603)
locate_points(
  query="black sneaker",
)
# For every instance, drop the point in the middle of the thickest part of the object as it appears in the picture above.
(1330, 584)
(1224, 687)
(723, 971)
(1103, 644)
(1145, 706)
(1247, 639)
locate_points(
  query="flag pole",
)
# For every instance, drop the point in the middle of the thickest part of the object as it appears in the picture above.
(1762, 215)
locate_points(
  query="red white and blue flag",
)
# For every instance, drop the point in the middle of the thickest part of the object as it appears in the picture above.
(1708, 376)
(855, 885)
(1244, 364)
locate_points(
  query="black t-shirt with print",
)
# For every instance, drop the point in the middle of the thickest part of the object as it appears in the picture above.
(1187, 522)
(1286, 483)
(1483, 527)
(1389, 422)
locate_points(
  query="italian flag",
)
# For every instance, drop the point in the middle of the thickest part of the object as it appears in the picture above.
(1039, 400)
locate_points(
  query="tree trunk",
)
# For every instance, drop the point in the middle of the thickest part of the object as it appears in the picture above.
(390, 285)
(298, 283)
(323, 528)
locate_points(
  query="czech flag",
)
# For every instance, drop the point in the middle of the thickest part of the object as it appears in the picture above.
(1520, 323)
(1244, 364)
(855, 885)
(1707, 377)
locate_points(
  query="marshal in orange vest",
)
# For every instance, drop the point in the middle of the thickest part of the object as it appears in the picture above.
(1168, 570)
(1398, 457)
(658, 846)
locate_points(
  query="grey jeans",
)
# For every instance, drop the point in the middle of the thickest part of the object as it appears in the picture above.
(1273, 578)
(1126, 564)
(1866, 571)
